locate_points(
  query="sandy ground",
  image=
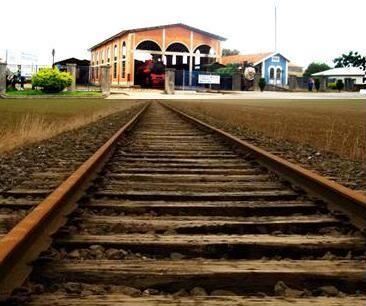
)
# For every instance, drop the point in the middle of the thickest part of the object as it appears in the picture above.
(189, 94)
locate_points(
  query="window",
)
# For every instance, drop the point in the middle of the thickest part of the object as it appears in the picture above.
(275, 59)
(115, 70)
(123, 69)
(278, 73)
(271, 73)
(115, 52)
(108, 54)
(102, 56)
(124, 50)
(124, 53)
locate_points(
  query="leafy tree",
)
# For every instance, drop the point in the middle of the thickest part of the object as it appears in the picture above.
(314, 68)
(262, 83)
(51, 80)
(339, 85)
(352, 59)
(226, 52)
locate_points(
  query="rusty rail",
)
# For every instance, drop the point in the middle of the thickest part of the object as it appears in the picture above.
(33, 234)
(336, 196)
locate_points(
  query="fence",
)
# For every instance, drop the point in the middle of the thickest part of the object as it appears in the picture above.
(24, 73)
(86, 77)
(186, 80)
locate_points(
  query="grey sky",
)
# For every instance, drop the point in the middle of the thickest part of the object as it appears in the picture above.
(311, 30)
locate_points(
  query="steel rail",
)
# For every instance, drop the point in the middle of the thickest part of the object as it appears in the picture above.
(336, 196)
(32, 235)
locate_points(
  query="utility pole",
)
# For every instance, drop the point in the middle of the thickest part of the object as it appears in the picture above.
(53, 58)
(276, 4)
(275, 26)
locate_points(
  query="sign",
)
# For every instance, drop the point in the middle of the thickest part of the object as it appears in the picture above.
(208, 79)
(27, 61)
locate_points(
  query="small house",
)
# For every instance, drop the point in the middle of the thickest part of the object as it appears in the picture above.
(272, 66)
(352, 77)
(82, 68)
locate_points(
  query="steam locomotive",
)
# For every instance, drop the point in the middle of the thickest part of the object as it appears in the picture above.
(150, 74)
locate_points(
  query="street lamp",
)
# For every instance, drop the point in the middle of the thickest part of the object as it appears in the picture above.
(53, 58)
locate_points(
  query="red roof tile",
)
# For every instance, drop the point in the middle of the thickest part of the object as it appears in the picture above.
(239, 59)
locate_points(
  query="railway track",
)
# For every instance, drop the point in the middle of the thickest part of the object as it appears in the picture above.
(180, 216)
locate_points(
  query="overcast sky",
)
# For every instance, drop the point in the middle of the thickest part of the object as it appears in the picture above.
(307, 30)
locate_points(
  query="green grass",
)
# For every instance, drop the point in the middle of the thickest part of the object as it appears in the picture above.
(35, 92)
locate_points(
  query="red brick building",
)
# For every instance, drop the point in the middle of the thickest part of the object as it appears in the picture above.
(175, 45)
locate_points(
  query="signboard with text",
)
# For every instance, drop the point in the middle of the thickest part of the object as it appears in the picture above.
(208, 79)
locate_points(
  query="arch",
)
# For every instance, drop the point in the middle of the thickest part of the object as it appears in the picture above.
(271, 72)
(124, 49)
(205, 49)
(177, 47)
(148, 45)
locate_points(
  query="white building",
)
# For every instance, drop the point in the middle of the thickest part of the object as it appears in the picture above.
(354, 73)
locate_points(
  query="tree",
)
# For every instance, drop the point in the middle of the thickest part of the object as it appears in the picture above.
(226, 52)
(314, 68)
(51, 80)
(352, 59)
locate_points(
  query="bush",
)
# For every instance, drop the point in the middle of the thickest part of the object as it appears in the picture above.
(317, 84)
(230, 69)
(51, 80)
(339, 85)
(332, 85)
(262, 83)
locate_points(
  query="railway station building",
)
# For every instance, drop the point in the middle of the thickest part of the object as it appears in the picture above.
(176, 46)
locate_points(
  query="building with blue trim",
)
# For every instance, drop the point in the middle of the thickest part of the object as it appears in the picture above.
(272, 66)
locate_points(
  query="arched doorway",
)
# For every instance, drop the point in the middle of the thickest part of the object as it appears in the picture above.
(204, 55)
(177, 56)
(149, 66)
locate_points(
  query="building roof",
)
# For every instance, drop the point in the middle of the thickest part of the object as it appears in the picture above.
(292, 64)
(254, 59)
(343, 71)
(73, 60)
(241, 58)
(157, 28)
